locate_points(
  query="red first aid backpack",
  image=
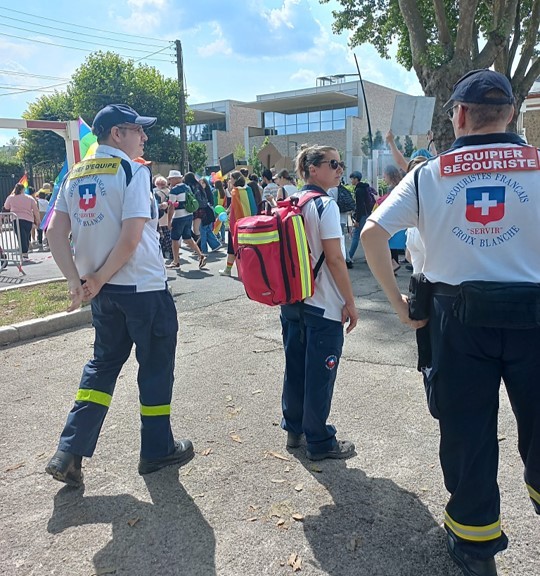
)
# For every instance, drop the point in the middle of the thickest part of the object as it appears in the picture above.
(272, 253)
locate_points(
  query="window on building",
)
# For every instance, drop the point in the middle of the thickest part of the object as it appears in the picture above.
(309, 120)
(203, 132)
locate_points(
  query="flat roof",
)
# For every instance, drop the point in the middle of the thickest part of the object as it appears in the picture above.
(293, 104)
(206, 116)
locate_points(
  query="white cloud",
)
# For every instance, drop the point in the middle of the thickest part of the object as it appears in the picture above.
(283, 16)
(303, 76)
(219, 46)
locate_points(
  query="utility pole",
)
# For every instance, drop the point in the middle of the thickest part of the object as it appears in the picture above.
(182, 111)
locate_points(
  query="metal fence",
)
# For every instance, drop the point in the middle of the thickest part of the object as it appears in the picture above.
(10, 242)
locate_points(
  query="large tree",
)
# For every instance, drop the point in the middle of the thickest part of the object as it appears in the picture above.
(106, 78)
(444, 39)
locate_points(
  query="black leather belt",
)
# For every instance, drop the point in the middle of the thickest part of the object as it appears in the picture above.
(442, 289)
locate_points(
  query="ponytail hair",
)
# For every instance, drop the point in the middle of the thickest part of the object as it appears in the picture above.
(310, 156)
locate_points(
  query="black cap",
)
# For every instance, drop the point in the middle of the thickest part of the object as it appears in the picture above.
(114, 114)
(474, 86)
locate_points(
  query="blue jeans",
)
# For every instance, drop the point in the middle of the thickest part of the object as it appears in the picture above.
(355, 236)
(208, 237)
(311, 365)
(121, 319)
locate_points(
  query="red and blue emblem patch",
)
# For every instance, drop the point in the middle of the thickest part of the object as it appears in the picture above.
(331, 362)
(87, 196)
(485, 204)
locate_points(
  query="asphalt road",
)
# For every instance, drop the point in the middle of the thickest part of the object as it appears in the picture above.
(232, 510)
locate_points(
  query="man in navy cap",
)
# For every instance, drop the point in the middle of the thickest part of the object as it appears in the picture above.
(477, 208)
(106, 203)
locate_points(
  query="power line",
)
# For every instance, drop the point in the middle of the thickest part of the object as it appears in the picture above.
(30, 75)
(84, 27)
(73, 39)
(72, 47)
(42, 89)
(68, 31)
(147, 57)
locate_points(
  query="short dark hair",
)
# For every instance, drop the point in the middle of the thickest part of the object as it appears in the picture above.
(267, 174)
(481, 115)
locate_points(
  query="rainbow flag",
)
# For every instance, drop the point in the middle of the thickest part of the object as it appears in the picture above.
(24, 182)
(87, 145)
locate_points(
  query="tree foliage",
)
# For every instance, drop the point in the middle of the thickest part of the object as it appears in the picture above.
(106, 78)
(378, 141)
(409, 147)
(443, 39)
(197, 157)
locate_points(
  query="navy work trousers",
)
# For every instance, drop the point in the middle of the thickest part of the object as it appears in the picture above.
(311, 362)
(148, 320)
(468, 365)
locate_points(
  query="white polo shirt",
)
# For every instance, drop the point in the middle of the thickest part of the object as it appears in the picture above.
(321, 218)
(477, 210)
(95, 196)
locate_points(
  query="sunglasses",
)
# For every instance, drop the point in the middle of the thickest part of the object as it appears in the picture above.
(334, 164)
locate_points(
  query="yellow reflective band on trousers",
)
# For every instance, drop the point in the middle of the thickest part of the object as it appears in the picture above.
(533, 494)
(258, 237)
(474, 533)
(95, 396)
(164, 410)
(303, 256)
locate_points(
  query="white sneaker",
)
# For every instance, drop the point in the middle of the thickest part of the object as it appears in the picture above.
(225, 272)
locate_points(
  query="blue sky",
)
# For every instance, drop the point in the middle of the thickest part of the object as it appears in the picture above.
(231, 48)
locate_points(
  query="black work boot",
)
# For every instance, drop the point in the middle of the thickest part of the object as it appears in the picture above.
(66, 467)
(183, 453)
(469, 565)
(294, 440)
(343, 449)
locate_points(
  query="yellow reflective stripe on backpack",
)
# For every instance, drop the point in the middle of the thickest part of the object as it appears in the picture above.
(163, 410)
(304, 261)
(474, 533)
(258, 237)
(95, 396)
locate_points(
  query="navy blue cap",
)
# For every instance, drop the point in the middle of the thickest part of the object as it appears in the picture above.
(474, 86)
(114, 114)
(356, 174)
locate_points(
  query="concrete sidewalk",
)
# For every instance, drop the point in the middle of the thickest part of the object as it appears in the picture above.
(244, 505)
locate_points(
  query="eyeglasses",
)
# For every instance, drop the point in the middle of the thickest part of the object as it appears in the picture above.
(451, 111)
(334, 164)
(138, 129)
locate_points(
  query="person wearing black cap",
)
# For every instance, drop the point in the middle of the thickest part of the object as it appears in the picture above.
(106, 203)
(364, 206)
(477, 210)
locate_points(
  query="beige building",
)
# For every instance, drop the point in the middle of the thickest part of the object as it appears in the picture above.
(332, 113)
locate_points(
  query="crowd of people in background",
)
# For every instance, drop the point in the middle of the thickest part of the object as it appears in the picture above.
(239, 194)
(29, 206)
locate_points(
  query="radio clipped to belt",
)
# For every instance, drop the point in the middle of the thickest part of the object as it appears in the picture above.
(498, 304)
(420, 291)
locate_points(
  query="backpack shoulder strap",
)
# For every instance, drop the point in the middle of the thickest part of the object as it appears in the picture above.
(314, 195)
(305, 198)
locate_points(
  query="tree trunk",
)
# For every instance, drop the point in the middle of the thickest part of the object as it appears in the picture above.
(439, 83)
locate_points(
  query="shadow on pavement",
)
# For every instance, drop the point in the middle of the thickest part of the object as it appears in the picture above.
(167, 536)
(373, 528)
